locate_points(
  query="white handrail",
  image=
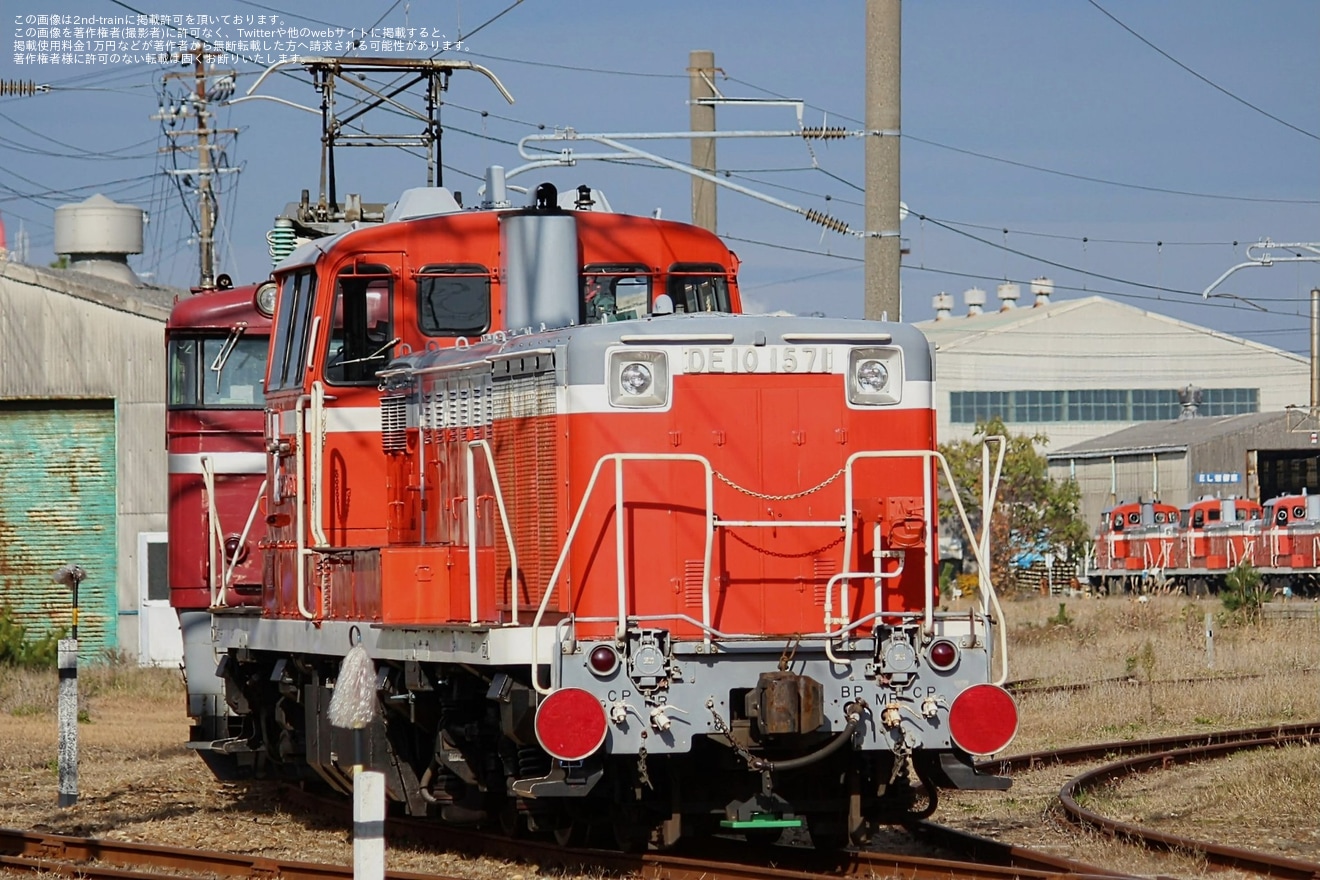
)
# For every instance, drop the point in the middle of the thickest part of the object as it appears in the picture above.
(242, 539)
(316, 452)
(213, 534)
(618, 524)
(300, 521)
(504, 521)
(990, 598)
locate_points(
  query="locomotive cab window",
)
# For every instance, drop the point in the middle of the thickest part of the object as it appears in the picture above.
(292, 324)
(217, 371)
(453, 300)
(1198, 519)
(615, 292)
(699, 287)
(361, 334)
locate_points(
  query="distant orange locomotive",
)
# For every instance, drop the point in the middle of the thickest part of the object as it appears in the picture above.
(625, 559)
(1151, 544)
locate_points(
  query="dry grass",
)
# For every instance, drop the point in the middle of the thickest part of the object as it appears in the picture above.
(1262, 674)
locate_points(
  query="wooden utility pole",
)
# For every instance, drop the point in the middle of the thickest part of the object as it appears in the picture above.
(881, 254)
(701, 78)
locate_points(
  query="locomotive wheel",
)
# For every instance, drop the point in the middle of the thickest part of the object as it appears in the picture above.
(759, 839)
(828, 831)
(630, 833)
(512, 823)
(572, 833)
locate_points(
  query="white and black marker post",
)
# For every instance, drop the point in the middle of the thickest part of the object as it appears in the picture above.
(70, 576)
(353, 706)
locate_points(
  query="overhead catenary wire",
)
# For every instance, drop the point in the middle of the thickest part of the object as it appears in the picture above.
(1214, 85)
(906, 135)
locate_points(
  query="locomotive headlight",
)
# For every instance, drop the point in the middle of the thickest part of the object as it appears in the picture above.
(635, 379)
(638, 379)
(265, 299)
(872, 376)
(875, 376)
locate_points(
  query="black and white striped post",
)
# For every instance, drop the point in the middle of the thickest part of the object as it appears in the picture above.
(70, 576)
(353, 706)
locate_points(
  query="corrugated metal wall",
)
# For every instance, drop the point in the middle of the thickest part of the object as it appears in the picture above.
(57, 507)
(1133, 476)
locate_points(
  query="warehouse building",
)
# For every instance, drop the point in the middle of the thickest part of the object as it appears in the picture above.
(1074, 370)
(1256, 455)
(82, 426)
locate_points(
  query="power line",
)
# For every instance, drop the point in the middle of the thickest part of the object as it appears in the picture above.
(982, 276)
(1106, 182)
(1058, 265)
(785, 247)
(577, 69)
(798, 278)
(1211, 83)
(1089, 239)
(1040, 168)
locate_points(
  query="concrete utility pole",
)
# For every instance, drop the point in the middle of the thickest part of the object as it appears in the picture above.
(701, 78)
(208, 86)
(1315, 350)
(883, 96)
(205, 195)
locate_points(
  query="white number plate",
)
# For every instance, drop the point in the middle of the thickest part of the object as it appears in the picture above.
(758, 359)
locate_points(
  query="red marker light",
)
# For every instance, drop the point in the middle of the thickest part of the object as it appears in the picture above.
(603, 660)
(943, 655)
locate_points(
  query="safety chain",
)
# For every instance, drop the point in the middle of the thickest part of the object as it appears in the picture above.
(727, 732)
(643, 777)
(769, 497)
(790, 651)
(766, 551)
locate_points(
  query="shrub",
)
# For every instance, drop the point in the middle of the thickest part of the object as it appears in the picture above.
(1244, 592)
(17, 648)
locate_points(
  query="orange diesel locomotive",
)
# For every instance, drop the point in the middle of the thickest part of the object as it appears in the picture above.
(635, 563)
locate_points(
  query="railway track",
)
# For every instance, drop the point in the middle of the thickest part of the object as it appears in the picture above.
(971, 856)
(1036, 687)
(113, 860)
(1160, 753)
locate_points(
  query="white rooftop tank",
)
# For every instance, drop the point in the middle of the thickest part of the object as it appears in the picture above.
(1042, 289)
(943, 305)
(98, 235)
(1008, 294)
(975, 299)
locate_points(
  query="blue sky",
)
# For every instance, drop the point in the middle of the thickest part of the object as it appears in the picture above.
(1120, 147)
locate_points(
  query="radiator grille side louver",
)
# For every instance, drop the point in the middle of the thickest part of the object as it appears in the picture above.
(394, 424)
